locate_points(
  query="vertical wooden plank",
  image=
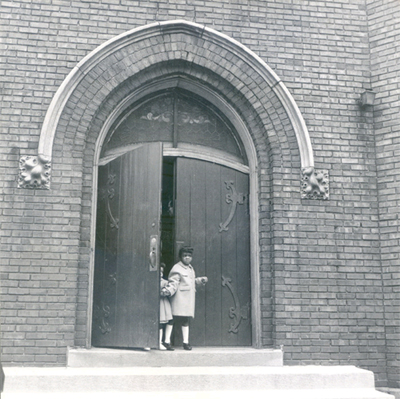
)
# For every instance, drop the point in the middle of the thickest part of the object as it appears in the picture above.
(130, 276)
(182, 223)
(122, 277)
(152, 284)
(105, 273)
(112, 234)
(228, 238)
(213, 256)
(190, 215)
(100, 257)
(198, 233)
(243, 289)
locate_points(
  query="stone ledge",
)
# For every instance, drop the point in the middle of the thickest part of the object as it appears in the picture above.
(167, 379)
(254, 394)
(198, 357)
(391, 391)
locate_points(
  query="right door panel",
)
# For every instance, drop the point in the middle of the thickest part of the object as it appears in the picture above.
(212, 216)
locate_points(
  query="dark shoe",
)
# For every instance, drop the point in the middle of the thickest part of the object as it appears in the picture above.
(187, 347)
(168, 346)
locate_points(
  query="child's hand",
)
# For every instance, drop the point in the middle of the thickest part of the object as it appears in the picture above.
(164, 292)
(204, 280)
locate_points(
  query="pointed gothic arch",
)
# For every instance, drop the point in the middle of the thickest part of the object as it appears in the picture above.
(159, 33)
(202, 61)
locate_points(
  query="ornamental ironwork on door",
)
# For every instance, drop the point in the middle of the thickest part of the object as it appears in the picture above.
(222, 316)
(126, 278)
(234, 199)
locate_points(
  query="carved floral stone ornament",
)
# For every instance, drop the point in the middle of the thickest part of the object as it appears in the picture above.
(314, 184)
(34, 172)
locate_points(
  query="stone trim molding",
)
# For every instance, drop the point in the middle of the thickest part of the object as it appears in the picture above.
(158, 29)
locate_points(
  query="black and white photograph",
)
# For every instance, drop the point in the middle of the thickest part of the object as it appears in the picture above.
(200, 199)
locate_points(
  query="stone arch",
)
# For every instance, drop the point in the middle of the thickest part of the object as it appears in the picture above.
(160, 35)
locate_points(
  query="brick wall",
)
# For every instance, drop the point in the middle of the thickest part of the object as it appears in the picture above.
(323, 257)
(383, 18)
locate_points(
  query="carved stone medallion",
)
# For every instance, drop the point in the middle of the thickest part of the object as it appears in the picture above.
(34, 172)
(314, 184)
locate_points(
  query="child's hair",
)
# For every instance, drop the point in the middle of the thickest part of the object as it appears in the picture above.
(185, 250)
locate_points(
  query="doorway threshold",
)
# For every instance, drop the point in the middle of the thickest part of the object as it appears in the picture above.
(198, 357)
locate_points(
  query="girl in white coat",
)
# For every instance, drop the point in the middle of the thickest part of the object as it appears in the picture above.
(181, 289)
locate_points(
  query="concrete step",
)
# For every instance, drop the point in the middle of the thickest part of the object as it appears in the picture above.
(198, 357)
(330, 382)
(392, 391)
(253, 394)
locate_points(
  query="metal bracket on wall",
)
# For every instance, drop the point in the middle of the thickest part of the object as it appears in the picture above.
(314, 184)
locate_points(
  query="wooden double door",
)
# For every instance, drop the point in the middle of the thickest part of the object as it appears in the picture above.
(147, 209)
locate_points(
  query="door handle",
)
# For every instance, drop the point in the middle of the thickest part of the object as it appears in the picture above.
(154, 256)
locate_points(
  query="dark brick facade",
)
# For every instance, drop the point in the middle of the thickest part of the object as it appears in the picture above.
(385, 81)
(329, 270)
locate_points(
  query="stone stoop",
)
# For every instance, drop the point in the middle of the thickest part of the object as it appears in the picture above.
(392, 391)
(308, 382)
(200, 374)
(198, 357)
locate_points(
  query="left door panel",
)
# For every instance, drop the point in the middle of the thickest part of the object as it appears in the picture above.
(126, 276)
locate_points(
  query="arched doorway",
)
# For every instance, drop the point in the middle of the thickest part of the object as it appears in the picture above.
(214, 66)
(173, 172)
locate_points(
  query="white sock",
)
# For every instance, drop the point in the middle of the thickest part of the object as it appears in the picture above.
(185, 334)
(168, 332)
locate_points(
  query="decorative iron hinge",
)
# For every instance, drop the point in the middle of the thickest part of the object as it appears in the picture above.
(237, 312)
(235, 199)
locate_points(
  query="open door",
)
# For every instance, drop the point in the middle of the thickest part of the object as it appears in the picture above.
(126, 276)
(212, 216)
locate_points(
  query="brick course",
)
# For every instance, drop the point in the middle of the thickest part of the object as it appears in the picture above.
(329, 269)
(385, 72)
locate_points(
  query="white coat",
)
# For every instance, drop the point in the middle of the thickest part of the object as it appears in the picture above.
(182, 286)
(165, 306)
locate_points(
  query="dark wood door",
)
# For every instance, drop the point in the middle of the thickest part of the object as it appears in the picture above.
(212, 215)
(126, 277)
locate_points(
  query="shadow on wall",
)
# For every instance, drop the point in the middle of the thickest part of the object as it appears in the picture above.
(2, 377)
